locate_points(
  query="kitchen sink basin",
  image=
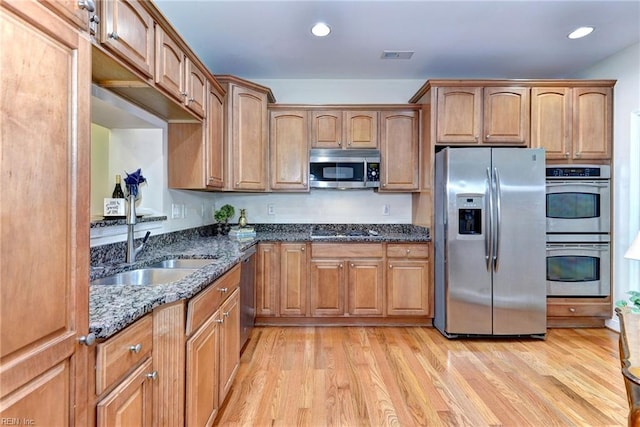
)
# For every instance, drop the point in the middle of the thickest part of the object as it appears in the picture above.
(145, 276)
(182, 263)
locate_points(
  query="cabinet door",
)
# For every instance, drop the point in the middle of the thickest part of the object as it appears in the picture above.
(72, 11)
(196, 88)
(326, 129)
(44, 260)
(170, 66)
(215, 138)
(459, 115)
(327, 287)
(202, 374)
(360, 129)
(408, 288)
(506, 115)
(293, 279)
(268, 280)
(366, 287)
(289, 151)
(551, 121)
(127, 30)
(592, 121)
(249, 139)
(229, 342)
(399, 149)
(129, 404)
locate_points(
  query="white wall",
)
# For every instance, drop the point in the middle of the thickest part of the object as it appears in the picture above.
(625, 68)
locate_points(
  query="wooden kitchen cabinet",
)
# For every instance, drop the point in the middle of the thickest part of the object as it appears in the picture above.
(409, 283)
(294, 274)
(45, 138)
(573, 124)
(289, 150)
(268, 280)
(124, 377)
(476, 115)
(127, 30)
(399, 150)
(212, 347)
(344, 129)
(177, 74)
(246, 134)
(346, 280)
(195, 158)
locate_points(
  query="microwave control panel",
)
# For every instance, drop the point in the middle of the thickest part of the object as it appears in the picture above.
(373, 171)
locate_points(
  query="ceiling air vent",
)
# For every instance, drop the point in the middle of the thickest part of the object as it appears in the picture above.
(397, 54)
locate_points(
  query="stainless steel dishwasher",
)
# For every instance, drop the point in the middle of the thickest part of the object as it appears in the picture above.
(247, 294)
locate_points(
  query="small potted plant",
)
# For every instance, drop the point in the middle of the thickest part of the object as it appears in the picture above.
(633, 303)
(222, 217)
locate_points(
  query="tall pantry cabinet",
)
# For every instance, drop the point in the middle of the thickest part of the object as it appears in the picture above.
(44, 223)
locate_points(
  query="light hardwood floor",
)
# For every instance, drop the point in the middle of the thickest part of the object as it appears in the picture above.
(378, 376)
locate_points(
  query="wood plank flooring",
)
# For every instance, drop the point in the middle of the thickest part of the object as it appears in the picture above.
(392, 376)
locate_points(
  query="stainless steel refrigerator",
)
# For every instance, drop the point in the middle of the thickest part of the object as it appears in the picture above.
(490, 227)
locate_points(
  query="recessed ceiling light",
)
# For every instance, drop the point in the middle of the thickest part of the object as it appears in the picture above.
(320, 29)
(580, 32)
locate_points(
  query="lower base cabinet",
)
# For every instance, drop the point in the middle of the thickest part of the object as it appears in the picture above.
(408, 280)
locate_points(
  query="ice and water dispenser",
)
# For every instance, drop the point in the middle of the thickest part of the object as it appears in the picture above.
(470, 207)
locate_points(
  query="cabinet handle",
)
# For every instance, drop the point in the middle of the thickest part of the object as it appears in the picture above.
(340, 265)
(135, 348)
(488, 136)
(237, 184)
(566, 155)
(219, 320)
(408, 251)
(302, 249)
(90, 5)
(384, 184)
(476, 138)
(349, 143)
(352, 265)
(184, 94)
(571, 309)
(95, 19)
(390, 265)
(225, 314)
(191, 100)
(223, 290)
(113, 35)
(339, 143)
(153, 375)
(88, 339)
(578, 155)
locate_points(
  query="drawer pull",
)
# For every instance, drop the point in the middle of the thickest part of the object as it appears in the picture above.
(408, 251)
(223, 290)
(135, 348)
(219, 320)
(390, 265)
(153, 375)
(113, 35)
(340, 265)
(571, 309)
(302, 249)
(225, 314)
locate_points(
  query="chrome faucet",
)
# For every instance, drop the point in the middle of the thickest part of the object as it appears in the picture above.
(133, 251)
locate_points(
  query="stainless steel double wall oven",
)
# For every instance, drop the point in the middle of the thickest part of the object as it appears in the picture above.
(578, 230)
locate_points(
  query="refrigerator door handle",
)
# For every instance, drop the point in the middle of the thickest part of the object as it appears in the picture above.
(498, 223)
(489, 222)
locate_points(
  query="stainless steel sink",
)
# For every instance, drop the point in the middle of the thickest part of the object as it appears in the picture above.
(183, 263)
(145, 276)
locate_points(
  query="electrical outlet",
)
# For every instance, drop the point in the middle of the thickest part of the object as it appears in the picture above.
(385, 210)
(271, 209)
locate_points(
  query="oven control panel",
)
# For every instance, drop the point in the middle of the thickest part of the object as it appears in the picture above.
(578, 171)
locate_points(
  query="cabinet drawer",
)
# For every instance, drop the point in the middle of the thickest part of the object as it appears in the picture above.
(346, 250)
(578, 310)
(203, 305)
(121, 353)
(408, 251)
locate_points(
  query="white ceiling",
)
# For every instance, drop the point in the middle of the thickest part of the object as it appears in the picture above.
(267, 39)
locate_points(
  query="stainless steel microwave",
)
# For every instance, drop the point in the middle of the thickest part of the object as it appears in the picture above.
(348, 168)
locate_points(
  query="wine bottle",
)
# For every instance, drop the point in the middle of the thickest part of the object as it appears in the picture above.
(117, 190)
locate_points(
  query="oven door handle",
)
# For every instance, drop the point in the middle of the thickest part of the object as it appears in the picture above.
(576, 248)
(577, 184)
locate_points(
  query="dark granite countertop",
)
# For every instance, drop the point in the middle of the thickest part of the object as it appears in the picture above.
(112, 308)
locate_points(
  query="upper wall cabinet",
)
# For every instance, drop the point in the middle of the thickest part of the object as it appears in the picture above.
(344, 129)
(289, 150)
(572, 124)
(126, 29)
(476, 115)
(399, 146)
(179, 75)
(246, 133)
